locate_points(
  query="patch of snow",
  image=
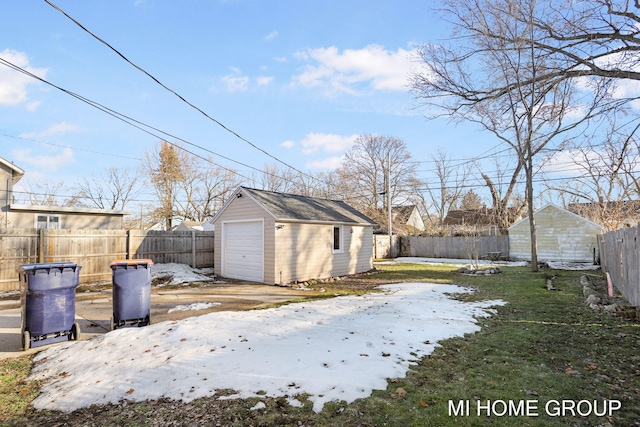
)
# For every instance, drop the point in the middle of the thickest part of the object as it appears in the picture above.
(194, 306)
(572, 265)
(331, 350)
(181, 273)
(259, 405)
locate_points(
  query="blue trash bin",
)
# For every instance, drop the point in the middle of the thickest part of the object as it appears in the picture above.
(48, 303)
(131, 293)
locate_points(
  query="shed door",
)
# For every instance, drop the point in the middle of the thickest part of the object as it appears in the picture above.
(242, 250)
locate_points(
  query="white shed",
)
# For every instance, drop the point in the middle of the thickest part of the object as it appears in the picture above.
(276, 238)
(561, 236)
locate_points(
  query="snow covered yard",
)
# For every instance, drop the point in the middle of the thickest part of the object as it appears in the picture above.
(336, 349)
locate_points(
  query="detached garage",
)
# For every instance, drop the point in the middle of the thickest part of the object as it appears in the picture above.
(560, 235)
(275, 238)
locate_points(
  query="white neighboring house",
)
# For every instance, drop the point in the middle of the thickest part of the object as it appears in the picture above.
(275, 238)
(188, 226)
(208, 225)
(561, 236)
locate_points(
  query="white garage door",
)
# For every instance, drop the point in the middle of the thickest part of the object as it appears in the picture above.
(242, 246)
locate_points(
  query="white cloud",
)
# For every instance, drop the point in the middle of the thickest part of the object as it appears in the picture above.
(264, 80)
(33, 106)
(235, 83)
(348, 71)
(58, 128)
(288, 144)
(329, 163)
(329, 143)
(14, 85)
(38, 163)
(314, 143)
(272, 35)
(570, 162)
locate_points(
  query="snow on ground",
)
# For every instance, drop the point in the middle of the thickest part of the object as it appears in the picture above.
(337, 349)
(559, 265)
(181, 273)
(193, 307)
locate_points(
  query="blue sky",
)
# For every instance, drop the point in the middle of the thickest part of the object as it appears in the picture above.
(299, 79)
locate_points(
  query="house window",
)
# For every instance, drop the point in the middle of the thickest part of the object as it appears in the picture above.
(47, 221)
(337, 240)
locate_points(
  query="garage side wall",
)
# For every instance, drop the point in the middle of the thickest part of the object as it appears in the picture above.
(245, 209)
(305, 251)
(561, 236)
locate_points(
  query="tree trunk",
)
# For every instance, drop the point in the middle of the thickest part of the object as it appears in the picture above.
(532, 221)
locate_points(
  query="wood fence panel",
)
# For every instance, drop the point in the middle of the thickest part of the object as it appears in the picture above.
(385, 247)
(194, 248)
(94, 250)
(456, 247)
(620, 258)
(17, 246)
(204, 249)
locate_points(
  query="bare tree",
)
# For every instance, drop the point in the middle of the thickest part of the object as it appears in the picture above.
(502, 185)
(605, 181)
(374, 165)
(274, 178)
(322, 185)
(495, 50)
(44, 193)
(448, 191)
(598, 38)
(204, 190)
(113, 190)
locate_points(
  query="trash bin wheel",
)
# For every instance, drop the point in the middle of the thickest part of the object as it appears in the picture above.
(75, 332)
(147, 320)
(26, 340)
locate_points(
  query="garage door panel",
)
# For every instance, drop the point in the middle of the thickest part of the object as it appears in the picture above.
(243, 250)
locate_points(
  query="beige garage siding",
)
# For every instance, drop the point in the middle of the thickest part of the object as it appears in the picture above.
(304, 251)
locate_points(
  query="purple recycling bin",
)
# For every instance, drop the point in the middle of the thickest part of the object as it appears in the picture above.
(48, 303)
(131, 293)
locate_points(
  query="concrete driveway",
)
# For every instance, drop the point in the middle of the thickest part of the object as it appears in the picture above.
(94, 308)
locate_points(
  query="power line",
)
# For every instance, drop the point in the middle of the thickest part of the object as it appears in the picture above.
(68, 146)
(142, 126)
(182, 98)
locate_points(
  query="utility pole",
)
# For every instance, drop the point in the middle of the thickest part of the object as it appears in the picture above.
(389, 200)
(389, 190)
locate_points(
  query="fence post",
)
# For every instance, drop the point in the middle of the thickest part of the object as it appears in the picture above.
(41, 249)
(127, 249)
(193, 249)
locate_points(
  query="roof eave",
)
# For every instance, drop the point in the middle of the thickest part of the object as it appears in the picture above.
(62, 209)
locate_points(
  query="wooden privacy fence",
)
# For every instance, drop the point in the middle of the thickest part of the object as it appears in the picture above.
(456, 247)
(385, 246)
(620, 258)
(94, 250)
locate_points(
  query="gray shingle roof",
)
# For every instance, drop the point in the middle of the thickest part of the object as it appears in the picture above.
(299, 208)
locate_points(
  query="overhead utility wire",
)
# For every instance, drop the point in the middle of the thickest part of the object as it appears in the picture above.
(136, 123)
(174, 92)
(70, 147)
